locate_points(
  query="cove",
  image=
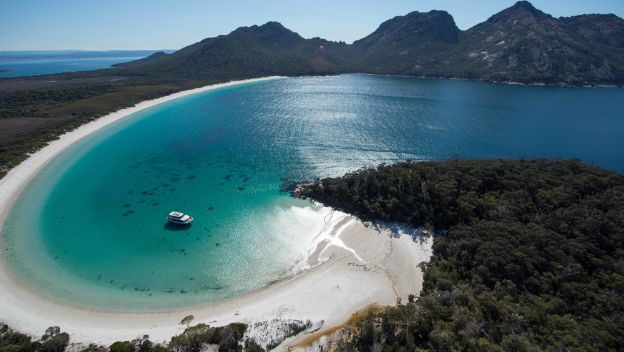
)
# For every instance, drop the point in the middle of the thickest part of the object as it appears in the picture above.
(89, 230)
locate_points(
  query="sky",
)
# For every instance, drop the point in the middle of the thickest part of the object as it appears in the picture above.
(173, 24)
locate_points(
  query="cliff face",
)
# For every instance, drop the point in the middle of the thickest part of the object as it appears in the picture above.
(520, 43)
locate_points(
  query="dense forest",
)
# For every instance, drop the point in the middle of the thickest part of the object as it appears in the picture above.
(528, 256)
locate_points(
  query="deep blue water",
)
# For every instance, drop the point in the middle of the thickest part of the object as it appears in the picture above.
(90, 230)
(33, 67)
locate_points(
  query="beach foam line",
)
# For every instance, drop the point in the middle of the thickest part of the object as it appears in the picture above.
(335, 240)
(334, 223)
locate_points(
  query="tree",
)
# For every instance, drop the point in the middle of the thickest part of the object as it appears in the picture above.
(187, 320)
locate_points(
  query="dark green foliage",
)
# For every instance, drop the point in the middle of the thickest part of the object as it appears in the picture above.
(24, 104)
(121, 346)
(12, 341)
(93, 348)
(54, 340)
(227, 338)
(139, 345)
(187, 320)
(196, 337)
(252, 346)
(529, 256)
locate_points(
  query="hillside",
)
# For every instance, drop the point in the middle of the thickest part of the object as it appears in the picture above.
(526, 45)
(518, 44)
(269, 49)
(527, 256)
(410, 44)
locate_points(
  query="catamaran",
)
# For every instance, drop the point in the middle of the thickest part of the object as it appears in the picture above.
(176, 217)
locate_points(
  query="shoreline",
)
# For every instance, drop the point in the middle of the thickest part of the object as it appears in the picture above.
(508, 83)
(350, 266)
(357, 265)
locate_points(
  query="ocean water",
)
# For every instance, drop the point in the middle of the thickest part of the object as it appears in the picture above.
(90, 229)
(33, 67)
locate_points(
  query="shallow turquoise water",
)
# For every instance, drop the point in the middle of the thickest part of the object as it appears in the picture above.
(90, 229)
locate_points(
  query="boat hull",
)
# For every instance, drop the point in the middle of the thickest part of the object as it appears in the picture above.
(179, 222)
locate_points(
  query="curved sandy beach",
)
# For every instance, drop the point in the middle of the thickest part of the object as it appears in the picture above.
(349, 266)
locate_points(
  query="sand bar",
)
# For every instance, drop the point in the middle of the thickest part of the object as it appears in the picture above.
(349, 266)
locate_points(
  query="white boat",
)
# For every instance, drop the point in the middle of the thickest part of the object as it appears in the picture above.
(176, 217)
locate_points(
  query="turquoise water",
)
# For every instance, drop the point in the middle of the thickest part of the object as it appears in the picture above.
(33, 67)
(90, 228)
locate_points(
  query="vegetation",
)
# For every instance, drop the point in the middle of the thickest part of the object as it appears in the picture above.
(529, 255)
(74, 107)
(194, 339)
(197, 337)
(187, 320)
(52, 341)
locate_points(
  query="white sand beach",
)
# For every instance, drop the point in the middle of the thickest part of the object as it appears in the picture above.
(349, 266)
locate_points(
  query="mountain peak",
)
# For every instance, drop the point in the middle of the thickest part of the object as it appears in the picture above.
(271, 31)
(522, 10)
(273, 25)
(415, 27)
(276, 29)
(524, 5)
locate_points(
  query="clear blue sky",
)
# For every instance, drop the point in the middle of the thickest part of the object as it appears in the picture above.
(172, 24)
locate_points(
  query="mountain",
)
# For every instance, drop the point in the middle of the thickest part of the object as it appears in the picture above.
(407, 44)
(413, 29)
(605, 30)
(269, 49)
(520, 43)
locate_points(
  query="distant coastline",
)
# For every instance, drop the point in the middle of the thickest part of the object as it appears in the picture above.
(510, 83)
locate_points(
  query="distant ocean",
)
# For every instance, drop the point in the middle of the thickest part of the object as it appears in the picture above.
(32, 63)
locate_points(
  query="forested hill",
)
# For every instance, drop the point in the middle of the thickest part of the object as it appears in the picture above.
(269, 49)
(533, 258)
